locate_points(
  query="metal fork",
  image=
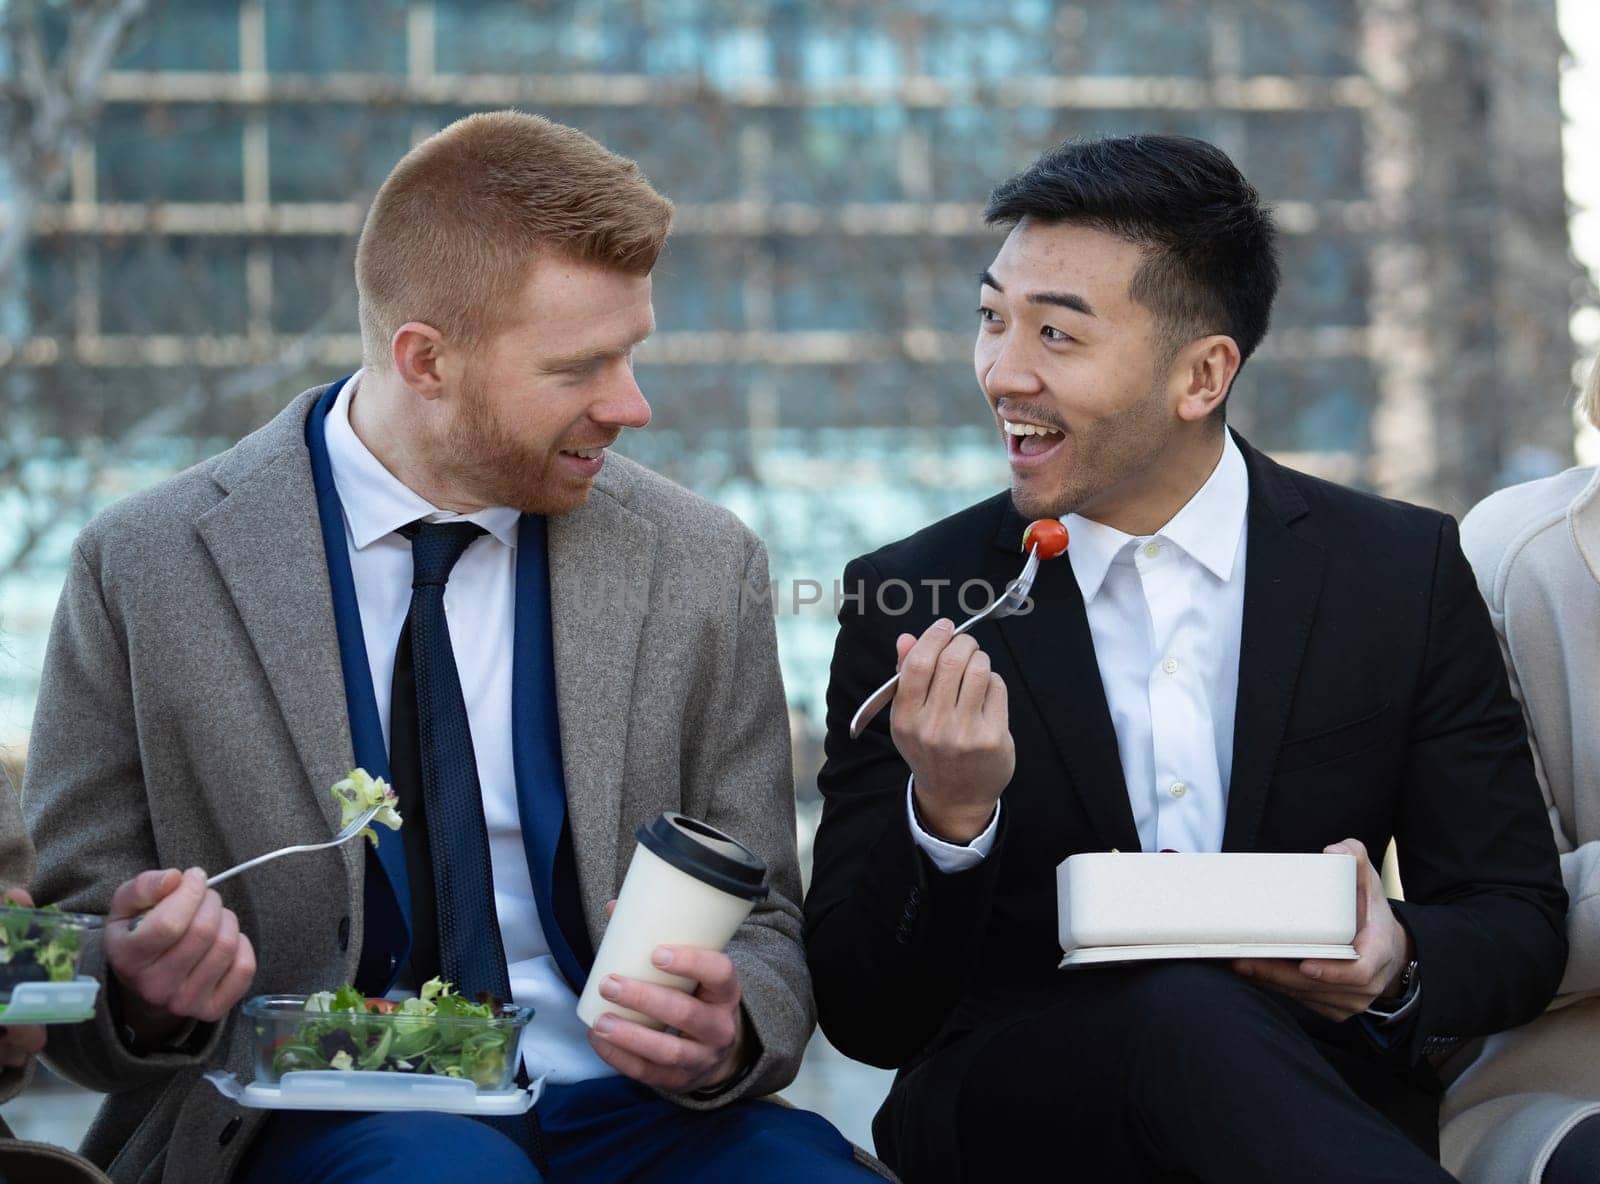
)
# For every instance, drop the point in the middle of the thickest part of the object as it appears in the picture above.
(1004, 605)
(344, 836)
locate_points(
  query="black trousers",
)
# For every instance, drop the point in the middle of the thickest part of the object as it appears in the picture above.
(1175, 1072)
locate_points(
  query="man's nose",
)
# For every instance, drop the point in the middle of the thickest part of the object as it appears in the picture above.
(624, 405)
(1005, 370)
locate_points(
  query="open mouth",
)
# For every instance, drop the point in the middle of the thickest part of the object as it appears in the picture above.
(1027, 442)
(584, 453)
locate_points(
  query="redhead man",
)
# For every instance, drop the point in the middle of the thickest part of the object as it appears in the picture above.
(436, 569)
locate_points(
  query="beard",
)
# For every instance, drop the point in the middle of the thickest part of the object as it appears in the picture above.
(1104, 455)
(482, 456)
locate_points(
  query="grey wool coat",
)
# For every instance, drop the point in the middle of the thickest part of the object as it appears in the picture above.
(1535, 549)
(192, 713)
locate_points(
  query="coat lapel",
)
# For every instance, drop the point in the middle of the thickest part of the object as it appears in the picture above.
(266, 542)
(1282, 583)
(601, 559)
(1054, 653)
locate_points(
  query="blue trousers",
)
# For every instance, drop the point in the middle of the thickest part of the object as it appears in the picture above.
(596, 1132)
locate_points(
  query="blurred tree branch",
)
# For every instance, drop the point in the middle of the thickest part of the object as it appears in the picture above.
(67, 495)
(59, 451)
(49, 106)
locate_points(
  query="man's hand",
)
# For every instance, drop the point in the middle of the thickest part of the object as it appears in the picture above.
(179, 956)
(951, 724)
(705, 1042)
(1340, 990)
(19, 1042)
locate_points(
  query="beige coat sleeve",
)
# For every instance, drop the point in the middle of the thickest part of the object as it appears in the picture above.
(1536, 589)
(1580, 863)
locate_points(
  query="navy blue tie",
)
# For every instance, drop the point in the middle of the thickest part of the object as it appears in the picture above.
(470, 951)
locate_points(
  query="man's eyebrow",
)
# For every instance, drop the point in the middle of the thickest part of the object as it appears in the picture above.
(1064, 299)
(584, 358)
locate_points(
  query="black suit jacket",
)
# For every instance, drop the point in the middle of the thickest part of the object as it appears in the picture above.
(1372, 703)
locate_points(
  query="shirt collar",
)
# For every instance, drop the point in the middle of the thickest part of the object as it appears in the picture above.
(1209, 525)
(376, 502)
(1207, 528)
(1092, 548)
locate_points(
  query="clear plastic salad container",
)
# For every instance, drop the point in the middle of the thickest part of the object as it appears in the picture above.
(39, 946)
(335, 1031)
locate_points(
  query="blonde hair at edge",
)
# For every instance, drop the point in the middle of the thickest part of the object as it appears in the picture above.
(1589, 400)
(458, 222)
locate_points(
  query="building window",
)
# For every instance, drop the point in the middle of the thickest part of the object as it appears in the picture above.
(182, 153)
(167, 284)
(313, 285)
(334, 153)
(834, 154)
(1152, 38)
(1299, 37)
(51, 286)
(972, 149)
(209, 41)
(1306, 405)
(698, 284)
(502, 37)
(1304, 154)
(820, 284)
(1325, 281)
(336, 36)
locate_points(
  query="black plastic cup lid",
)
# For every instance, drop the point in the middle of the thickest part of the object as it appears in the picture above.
(707, 854)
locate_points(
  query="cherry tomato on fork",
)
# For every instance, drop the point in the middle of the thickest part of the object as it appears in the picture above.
(1049, 535)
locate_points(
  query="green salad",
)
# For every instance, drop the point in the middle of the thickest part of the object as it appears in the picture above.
(37, 945)
(344, 1029)
(358, 793)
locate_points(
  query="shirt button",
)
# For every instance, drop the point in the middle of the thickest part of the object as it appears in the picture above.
(1151, 550)
(1178, 789)
(1170, 665)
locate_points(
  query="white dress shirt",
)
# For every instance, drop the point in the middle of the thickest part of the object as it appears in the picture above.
(1165, 612)
(481, 594)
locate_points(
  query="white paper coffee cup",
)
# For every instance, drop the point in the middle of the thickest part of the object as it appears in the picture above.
(688, 884)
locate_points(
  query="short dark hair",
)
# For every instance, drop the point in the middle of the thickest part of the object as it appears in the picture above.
(1211, 256)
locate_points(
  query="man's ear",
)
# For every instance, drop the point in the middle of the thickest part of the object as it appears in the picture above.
(1202, 373)
(416, 350)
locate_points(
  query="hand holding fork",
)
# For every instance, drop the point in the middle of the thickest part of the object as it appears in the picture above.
(951, 721)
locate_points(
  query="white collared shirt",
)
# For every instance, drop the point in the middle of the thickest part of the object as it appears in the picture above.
(481, 597)
(1166, 612)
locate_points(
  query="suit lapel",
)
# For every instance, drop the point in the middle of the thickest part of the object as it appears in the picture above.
(601, 559)
(265, 540)
(1053, 652)
(1282, 583)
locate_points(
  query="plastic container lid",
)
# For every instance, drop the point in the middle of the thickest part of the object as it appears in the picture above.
(357, 1090)
(707, 854)
(51, 1003)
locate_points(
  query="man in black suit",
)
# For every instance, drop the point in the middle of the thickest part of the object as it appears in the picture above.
(1233, 656)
